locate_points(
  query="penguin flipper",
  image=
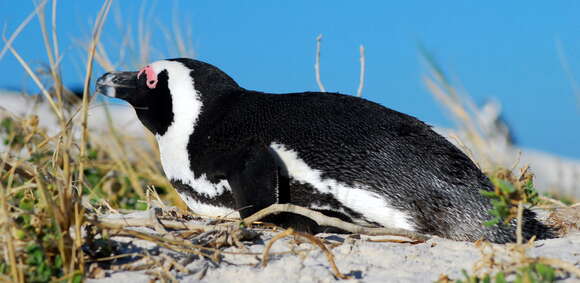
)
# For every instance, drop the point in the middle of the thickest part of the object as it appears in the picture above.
(257, 181)
(254, 178)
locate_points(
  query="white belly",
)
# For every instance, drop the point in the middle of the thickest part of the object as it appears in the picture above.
(205, 209)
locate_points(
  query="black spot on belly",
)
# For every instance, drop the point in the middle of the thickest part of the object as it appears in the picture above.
(294, 192)
(307, 196)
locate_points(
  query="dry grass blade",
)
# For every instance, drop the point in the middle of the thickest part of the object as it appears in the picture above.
(265, 253)
(148, 222)
(464, 113)
(54, 37)
(519, 227)
(8, 43)
(77, 208)
(361, 83)
(554, 201)
(328, 254)
(51, 53)
(568, 70)
(143, 37)
(86, 86)
(102, 58)
(18, 167)
(560, 264)
(310, 238)
(7, 232)
(56, 215)
(34, 77)
(174, 244)
(317, 64)
(324, 220)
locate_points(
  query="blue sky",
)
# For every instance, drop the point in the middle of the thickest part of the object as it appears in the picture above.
(505, 50)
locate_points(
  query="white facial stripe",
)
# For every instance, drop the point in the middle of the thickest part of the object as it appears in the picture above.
(187, 106)
(358, 198)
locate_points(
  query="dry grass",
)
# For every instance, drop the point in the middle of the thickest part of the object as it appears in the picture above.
(463, 112)
(41, 210)
(48, 182)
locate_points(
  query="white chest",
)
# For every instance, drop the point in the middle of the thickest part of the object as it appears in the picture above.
(175, 158)
(176, 164)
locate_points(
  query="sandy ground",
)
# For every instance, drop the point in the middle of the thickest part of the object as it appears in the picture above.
(355, 255)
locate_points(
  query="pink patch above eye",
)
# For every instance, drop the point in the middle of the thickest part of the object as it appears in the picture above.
(151, 76)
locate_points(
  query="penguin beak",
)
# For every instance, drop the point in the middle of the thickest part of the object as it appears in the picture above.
(121, 85)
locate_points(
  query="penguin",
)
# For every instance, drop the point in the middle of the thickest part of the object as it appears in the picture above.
(230, 151)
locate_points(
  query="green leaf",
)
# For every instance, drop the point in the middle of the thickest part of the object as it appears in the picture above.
(547, 273)
(140, 205)
(20, 234)
(500, 278)
(93, 154)
(26, 220)
(78, 278)
(6, 125)
(488, 194)
(3, 267)
(58, 262)
(464, 272)
(492, 222)
(26, 204)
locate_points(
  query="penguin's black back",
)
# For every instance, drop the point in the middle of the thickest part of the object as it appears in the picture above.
(355, 141)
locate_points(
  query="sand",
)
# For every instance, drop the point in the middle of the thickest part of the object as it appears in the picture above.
(355, 255)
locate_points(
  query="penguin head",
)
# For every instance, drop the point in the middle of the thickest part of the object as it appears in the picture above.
(165, 90)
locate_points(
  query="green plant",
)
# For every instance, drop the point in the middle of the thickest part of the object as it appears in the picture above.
(531, 273)
(474, 279)
(536, 272)
(509, 196)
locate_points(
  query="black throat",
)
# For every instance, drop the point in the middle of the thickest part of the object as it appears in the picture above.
(154, 109)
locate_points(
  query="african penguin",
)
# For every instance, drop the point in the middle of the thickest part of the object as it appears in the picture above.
(229, 151)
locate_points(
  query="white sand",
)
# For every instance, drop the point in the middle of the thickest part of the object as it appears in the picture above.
(365, 261)
(355, 255)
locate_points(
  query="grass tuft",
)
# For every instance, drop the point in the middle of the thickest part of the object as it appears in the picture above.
(53, 180)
